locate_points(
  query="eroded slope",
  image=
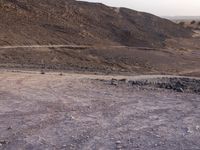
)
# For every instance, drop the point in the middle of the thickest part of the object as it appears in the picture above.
(68, 21)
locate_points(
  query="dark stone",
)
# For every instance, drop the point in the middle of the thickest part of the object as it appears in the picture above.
(122, 80)
(114, 82)
(180, 90)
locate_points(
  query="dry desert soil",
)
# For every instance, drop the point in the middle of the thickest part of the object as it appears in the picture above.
(69, 78)
(75, 111)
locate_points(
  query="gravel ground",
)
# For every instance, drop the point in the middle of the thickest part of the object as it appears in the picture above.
(75, 111)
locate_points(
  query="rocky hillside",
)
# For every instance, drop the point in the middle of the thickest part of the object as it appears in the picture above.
(25, 22)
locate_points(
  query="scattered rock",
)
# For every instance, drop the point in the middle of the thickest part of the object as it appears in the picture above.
(9, 128)
(122, 80)
(158, 136)
(72, 117)
(114, 82)
(180, 90)
(64, 145)
(197, 127)
(155, 145)
(168, 87)
(188, 130)
(42, 72)
(179, 87)
(3, 142)
(118, 142)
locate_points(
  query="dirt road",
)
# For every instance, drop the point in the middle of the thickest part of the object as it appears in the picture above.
(75, 111)
(70, 46)
(43, 46)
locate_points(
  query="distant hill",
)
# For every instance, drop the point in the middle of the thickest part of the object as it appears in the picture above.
(182, 17)
(192, 22)
(25, 22)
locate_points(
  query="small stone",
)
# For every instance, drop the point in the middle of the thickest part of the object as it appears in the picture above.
(118, 142)
(3, 142)
(114, 82)
(64, 145)
(189, 130)
(168, 87)
(72, 117)
(180, 90)
(158, 136)
(122, 80)
(42, 72)
(9, 128)
(197, 127)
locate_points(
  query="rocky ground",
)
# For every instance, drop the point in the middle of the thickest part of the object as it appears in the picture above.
(109, 59)
(71, 22)
(76, 111)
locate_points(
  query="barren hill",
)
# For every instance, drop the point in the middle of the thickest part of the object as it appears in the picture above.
(25, 22)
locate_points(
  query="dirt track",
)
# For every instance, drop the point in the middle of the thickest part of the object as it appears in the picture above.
(67, 46)
(43, 46)
(77, 111)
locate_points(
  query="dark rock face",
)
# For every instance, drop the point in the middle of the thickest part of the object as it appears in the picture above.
(75, 22)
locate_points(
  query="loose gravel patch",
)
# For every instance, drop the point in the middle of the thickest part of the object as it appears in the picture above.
(75, 111)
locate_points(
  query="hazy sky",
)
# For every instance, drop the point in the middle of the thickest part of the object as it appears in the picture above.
(158, 7)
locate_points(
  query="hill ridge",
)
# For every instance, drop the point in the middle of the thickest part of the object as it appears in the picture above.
(76, 22)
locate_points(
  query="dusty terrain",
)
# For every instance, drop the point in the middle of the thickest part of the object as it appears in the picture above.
(75, 111)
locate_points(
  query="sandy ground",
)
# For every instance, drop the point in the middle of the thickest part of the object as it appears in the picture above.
(75, 111)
